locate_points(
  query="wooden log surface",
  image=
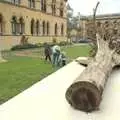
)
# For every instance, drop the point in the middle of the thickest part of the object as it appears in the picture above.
(86, 92)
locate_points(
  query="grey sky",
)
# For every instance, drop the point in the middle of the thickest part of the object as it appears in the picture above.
(85, 7)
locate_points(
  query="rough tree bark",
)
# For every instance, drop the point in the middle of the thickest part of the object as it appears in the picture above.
(86, 91)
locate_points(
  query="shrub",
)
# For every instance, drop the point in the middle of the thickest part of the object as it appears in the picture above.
(38, 45)
(54, 41)
(64, 43)
(24, 40)
(26, 46)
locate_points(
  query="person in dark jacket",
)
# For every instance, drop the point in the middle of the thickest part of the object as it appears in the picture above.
(47, 52)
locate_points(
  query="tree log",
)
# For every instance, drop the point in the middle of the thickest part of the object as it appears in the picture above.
(86, 92)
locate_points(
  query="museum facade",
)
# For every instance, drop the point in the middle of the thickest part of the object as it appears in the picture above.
(39, 20)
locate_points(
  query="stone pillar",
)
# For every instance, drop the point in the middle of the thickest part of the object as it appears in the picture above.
(28, 25)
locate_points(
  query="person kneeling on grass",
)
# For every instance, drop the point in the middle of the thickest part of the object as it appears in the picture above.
(62, 59)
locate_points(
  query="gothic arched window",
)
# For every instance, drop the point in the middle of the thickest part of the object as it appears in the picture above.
(1, 24)
(61, 9)
(62, 29)
(56, 27)
(14, 25)
(48, 28)
(37, 27)
(15, 1)
(21, 25)
(31, 3)
(43, 25)
(53, 7)
(43, 5)
(32, 27)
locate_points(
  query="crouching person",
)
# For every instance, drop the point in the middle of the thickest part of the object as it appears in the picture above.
(62, 59)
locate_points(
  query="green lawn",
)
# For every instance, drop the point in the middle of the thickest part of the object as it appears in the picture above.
(76, 51)
(19, 73)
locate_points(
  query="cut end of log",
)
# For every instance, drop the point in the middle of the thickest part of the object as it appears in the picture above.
(84, 96)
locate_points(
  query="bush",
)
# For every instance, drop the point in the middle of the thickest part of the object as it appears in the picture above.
(26, 46)
(54, 41)
(64, 43)
(38, 45)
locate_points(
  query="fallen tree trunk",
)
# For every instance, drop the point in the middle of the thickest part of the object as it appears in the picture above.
(86, 91)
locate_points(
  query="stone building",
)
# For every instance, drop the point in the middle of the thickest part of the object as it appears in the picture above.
(40, 20)
(87, 22)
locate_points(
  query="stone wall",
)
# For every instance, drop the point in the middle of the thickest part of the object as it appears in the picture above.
(9, 10)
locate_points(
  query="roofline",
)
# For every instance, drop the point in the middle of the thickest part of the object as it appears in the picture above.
(106, 16)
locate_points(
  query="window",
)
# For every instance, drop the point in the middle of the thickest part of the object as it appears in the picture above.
(62, 29)
(61, 9)
(31, 3)
(56, 27)
(32, 27)
(15, 1)
(21, 26)
(18, 27)
(1, 24)
(48, 28)
(98, 24)
(43, 5)
(53, 7)
(43, 27)
(37, 27)
(14, 25)
(61, 13)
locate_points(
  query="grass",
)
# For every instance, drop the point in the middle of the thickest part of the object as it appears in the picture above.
(77, 51)
(19, 73)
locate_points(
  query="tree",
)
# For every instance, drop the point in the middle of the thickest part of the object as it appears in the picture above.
(91, 31)
(86, 92)
(69, 20)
